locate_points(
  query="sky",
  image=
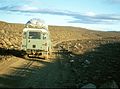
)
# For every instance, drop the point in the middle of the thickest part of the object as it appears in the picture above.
(103, 15)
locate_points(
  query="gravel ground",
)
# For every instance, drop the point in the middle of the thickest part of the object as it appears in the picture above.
(80, 57)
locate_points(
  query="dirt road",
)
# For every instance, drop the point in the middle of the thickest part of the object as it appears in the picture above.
(33, 73)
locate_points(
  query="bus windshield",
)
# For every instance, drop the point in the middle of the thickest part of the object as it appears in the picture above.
(34, 35)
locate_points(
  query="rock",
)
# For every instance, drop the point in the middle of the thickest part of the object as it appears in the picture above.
(89, 86)
(71, 61)
(7, 42)
(4, 45)
(111, 84)
(89, 41)
(87, 61)
(75, 46)
(93, 49)
(11, 46)
(71, 55)
(79, 44)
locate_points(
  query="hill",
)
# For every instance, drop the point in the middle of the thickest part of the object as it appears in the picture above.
(82, 57)
(11, 34)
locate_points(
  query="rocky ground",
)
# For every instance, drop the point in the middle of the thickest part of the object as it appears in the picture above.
(82, 58)
(94, 61)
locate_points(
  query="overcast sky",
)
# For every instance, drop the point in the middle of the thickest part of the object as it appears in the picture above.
(94, 14)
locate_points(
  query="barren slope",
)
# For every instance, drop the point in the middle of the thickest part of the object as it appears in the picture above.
(93, 53)
(11, 34)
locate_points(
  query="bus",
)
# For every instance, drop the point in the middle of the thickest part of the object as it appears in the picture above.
(36, 39)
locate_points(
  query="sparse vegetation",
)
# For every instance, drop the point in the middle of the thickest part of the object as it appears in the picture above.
(80, 56)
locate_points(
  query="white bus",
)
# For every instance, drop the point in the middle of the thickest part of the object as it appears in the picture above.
(36, 39)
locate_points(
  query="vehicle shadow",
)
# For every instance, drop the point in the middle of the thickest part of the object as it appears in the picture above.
(14, 52)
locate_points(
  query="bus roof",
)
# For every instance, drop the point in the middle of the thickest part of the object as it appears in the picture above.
(34, 29)
(36, 23)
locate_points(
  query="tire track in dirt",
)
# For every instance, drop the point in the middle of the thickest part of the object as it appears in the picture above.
(49, 74)
(42, 75)
(36, 73)
(33, 78)
(28, 64)
(5, 65)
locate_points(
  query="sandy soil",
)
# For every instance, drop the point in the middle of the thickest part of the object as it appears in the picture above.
(33, 73)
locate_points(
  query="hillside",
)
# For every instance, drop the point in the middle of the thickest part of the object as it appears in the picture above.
(11, 34)
(81, 57)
